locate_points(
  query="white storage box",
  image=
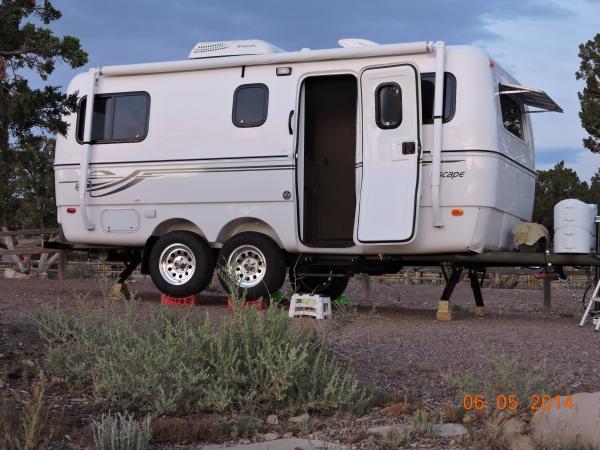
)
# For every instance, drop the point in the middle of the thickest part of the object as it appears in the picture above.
(310, 305)
(574, 227)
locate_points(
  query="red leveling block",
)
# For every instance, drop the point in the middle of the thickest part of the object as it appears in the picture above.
(190, 300)
(258, 304)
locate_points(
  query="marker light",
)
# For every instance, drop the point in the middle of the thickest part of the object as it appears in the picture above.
(71, 210)
(457, 212)
(283, 71)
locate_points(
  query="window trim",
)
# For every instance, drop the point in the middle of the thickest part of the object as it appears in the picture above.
(235, 102)
(524, 125)
(452, 79)
(113, 95)
(378, 120)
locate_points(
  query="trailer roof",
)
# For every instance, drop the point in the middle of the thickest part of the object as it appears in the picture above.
(269, 58)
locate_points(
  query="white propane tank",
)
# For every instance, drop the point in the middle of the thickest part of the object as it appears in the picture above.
(574, 227)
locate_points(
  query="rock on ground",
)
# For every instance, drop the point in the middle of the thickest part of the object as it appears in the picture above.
(564, 426)
(10, 273)
(282, 444)
(521, 442)
(448, 430)
(272, 419)
(304, 418)
(513, 430)
(384, 430)
(270, 436)
(514, 425)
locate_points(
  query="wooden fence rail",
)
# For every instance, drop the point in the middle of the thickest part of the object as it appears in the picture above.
(48, 257)
(29, 232)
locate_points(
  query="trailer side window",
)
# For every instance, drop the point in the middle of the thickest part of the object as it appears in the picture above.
(250, 105)
(428, 93)
(512, 115)
(119, 117)
(388, 105)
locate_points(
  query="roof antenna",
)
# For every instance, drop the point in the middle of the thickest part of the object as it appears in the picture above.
(354, 42)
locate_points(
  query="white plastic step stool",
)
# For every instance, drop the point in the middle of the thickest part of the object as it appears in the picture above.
(310, 305)
(594, 303)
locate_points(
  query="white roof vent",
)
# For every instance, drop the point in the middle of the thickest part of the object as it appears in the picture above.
(232, 48)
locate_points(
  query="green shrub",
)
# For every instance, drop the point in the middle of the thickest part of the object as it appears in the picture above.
(164, 363)
(505, 376)
(420, 424)
(121, 432)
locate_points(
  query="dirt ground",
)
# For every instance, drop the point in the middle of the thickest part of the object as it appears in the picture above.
(397, 344)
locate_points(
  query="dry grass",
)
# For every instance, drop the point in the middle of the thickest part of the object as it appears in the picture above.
(27, 430)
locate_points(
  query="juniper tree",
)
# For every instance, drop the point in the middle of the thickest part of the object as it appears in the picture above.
(552, 186)
(26, 44)
(589, 71)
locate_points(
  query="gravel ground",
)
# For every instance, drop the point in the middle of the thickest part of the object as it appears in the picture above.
(398, 345)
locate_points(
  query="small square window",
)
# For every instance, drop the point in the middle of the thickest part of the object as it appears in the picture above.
(250, 105)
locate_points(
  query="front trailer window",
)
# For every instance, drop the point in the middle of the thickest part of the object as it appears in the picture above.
(119, 117)
(512, 115)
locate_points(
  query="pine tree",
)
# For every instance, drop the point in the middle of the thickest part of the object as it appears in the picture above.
(26, 113)
(589, 71)
(35, 184)
(594, 194)
(551, 187)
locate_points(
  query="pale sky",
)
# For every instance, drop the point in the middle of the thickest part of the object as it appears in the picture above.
(536, 40)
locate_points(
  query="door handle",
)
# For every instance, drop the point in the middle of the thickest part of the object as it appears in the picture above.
(290, 129)
(409, 148)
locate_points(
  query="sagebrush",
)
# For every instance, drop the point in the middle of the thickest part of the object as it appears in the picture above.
(506, 376)
(161, 362)
(420, 424)
(121, 432)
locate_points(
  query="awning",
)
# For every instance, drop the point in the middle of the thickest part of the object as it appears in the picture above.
(531, 97)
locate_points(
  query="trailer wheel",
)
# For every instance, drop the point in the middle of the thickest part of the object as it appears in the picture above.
(332, 286)
(253, 263)
(181, 264)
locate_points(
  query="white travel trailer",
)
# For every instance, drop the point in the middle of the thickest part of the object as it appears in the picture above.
(327, 162)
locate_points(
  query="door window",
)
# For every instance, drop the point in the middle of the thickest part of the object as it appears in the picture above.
(388, 106)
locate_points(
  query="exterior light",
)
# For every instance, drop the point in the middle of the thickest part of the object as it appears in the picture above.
(283, 71)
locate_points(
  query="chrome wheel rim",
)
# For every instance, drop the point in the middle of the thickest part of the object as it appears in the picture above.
(177, 264)
(247, 266)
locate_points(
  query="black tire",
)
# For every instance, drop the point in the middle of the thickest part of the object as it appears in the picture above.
(249, 249)
(170, 276)
(332, 287)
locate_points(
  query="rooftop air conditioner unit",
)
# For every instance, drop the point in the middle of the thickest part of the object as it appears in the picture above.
(232, 48)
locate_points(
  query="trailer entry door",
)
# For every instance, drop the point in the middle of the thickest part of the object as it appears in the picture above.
(327, 160)
(391, 120)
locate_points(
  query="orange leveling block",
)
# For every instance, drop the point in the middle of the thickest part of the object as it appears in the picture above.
(258, 304)
(190, 300)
